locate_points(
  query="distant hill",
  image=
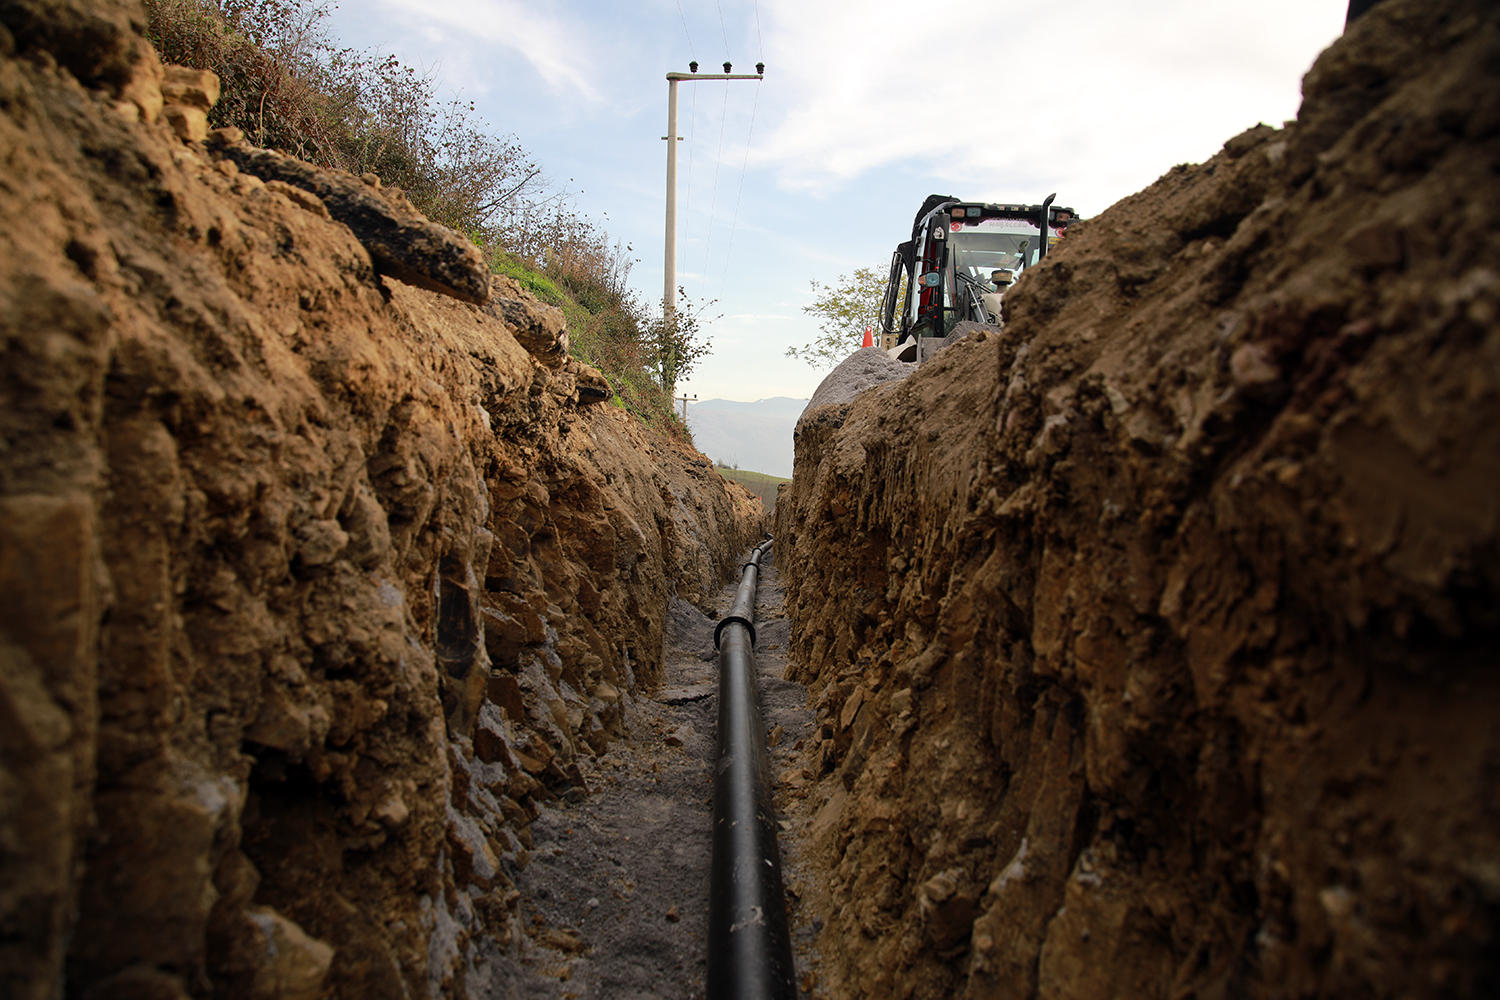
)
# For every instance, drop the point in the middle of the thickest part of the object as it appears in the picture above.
(759, 483)
(755, 436)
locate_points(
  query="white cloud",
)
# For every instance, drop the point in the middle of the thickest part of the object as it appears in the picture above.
(560, 49)
(1000, 100)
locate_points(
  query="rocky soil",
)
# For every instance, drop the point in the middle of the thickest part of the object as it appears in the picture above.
(615, 896)
(353, 645)
(1152, 639)
(324, 572)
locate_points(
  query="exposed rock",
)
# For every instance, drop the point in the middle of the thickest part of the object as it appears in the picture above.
(295, 965)
(593, 387)
(188, 95)
(538, 327)
(1167, 614)
(947, 911)
(402, 242)
(99, 41)
(563, 940)
(191, 88)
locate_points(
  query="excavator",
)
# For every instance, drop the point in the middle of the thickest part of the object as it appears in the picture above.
(959, 260)
(961, 257)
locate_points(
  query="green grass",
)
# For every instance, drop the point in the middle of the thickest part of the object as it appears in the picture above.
(762, 485)
(542, 287)
(747, 477)
(606, 336)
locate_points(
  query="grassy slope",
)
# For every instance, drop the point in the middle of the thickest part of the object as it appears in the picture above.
(759, 483)
(288, 85)
(596, 339)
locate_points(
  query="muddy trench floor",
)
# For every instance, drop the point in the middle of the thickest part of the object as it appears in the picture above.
(614, 899)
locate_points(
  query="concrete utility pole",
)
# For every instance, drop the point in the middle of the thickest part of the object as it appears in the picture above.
(669, 288)
(684, 401)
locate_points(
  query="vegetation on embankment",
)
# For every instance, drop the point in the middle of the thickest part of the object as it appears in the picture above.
(346, 574)
(287, 85)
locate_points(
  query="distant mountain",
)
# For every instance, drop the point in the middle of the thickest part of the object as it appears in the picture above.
(755, 436)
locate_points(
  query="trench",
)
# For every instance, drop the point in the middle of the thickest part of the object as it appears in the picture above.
(614, 889)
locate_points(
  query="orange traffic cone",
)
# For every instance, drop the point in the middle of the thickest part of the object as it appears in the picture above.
(869, 337)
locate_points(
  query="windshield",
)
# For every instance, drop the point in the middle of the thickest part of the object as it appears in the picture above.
(978, 253)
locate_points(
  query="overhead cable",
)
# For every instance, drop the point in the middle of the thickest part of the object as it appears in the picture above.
(714, 201)
(722, 28)
(687, 211)
(685, 30)
(743, 168)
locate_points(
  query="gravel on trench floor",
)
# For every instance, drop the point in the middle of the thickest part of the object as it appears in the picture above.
(614, 899)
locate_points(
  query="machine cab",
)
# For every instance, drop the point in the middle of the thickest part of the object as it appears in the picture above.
(947, 272)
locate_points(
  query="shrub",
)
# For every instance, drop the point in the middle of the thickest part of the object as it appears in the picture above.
(288, 86)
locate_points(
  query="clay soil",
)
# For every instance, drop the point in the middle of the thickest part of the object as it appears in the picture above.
(1152, 637)
(322, 577)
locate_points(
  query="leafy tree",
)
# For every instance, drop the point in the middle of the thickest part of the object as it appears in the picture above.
(675, 341)
(846, 308)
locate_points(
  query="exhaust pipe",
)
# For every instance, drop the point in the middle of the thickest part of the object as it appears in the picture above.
(1041, 253)
(749, 945)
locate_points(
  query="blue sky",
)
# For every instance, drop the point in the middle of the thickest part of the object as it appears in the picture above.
(866, 108)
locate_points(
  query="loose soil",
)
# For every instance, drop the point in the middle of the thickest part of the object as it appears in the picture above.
(346, 578)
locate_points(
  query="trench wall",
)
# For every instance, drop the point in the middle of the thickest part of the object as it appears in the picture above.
(313, 584)
(1152, 637)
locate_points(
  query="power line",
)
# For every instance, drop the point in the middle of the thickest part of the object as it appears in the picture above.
(674, 79)
(690, 37)
(723, 29)
(743, 168)
(687, 211)
(714, 201)
(687, 220)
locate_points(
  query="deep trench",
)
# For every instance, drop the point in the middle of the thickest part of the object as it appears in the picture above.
(615, 895)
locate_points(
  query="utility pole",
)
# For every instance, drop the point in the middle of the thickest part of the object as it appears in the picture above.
(669, 287)
(684, 401)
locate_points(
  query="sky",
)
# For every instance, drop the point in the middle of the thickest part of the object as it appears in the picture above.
(867, 107)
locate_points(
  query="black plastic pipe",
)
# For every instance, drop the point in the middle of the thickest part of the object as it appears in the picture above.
(749, 945)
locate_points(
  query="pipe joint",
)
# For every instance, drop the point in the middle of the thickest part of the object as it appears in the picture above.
(734, 620)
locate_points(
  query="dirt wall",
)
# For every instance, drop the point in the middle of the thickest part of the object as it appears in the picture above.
(312, 582)
(1152, 638)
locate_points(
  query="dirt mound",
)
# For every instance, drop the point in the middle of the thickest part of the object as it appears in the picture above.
(315, 584)
(1152, 638)
(864, 369)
